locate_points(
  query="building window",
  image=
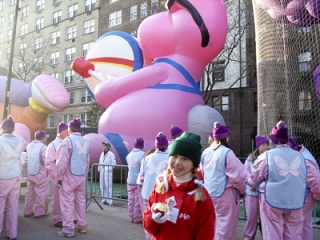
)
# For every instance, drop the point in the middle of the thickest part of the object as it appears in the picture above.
(11, 17)
(1, 5)
(25, 11)
(20, 67)
(305, 62)
(54, 58)
(71, 32)
(112, 1)
(40, 23)
(85, 97)
(40, 5)
(304, 30)
(1, 21)
(37, 63)
(304, 100)
(67, 118)
(218, 71)
(23, 29)
(55, 37)
(38, 43)
(86, 47)
(73, 10)
(133, 12)
(89, 26)
(13, 2)
(70, 53)
(71, 97)
(68, 76)
(57, 17)
(115, 18)
(84, 119)
(55, 75)
(221, 104)
(22, 48)
(143, 9)
(89, 5)
(154, 6)
(51, 121)
(9, 35)
(55, 2)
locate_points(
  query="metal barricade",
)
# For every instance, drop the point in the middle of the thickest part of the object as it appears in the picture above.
(316, 216)
(95, 189)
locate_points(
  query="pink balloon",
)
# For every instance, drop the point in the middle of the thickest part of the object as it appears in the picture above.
(150, 99)
(23, 131)
(95, 141)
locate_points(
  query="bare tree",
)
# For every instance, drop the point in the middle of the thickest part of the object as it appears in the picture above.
(238, 26)
(31, 56)
(94, 114)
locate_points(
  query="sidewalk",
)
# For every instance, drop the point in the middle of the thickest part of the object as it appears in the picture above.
(111, 223)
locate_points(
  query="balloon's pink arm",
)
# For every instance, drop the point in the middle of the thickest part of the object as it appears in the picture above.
(108, 91)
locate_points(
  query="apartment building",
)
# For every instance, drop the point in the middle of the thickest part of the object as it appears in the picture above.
(50, 34)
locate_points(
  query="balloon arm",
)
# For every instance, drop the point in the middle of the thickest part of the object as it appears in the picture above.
(109, 91)
(96, 76)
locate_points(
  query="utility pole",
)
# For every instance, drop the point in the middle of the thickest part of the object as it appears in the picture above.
(9, 74)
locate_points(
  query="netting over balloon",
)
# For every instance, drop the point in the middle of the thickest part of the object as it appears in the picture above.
(288, 68)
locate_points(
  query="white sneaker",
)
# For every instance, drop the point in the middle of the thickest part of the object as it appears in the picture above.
(62, 234)
(83, 231)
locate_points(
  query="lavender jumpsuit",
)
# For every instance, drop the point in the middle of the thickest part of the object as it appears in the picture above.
(227, 205)
(50, 165)
(38, 182)
(277, 223)
(134, 161)
(10, 151)
(313, 192)
(72, 195)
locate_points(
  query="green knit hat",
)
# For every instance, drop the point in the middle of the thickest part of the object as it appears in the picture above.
(187, 145)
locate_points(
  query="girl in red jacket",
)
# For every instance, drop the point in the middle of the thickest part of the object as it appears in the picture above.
(179, 207)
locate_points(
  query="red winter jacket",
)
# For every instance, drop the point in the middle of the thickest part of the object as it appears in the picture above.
(195, 219)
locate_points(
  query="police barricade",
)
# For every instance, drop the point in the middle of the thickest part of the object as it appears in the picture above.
(106, 182)
(316, 215)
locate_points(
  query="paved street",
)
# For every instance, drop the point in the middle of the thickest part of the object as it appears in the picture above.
(111, 223)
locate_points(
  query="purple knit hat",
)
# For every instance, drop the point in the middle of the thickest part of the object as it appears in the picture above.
(279, 133)
(39, 135)
(7, 124)
(261, 140)
(75, 125)
(139, 143)
(161, 141)
(219, 131)
(175, 132)
(61, 127)
(293, 144)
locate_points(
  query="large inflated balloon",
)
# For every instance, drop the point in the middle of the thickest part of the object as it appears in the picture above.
(144, 100)
(30, 104)
(298, 12)
(23, 131)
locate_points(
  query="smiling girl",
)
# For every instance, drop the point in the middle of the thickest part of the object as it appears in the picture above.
(189, 212)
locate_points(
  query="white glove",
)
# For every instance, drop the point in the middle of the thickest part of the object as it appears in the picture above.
(157, 216)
